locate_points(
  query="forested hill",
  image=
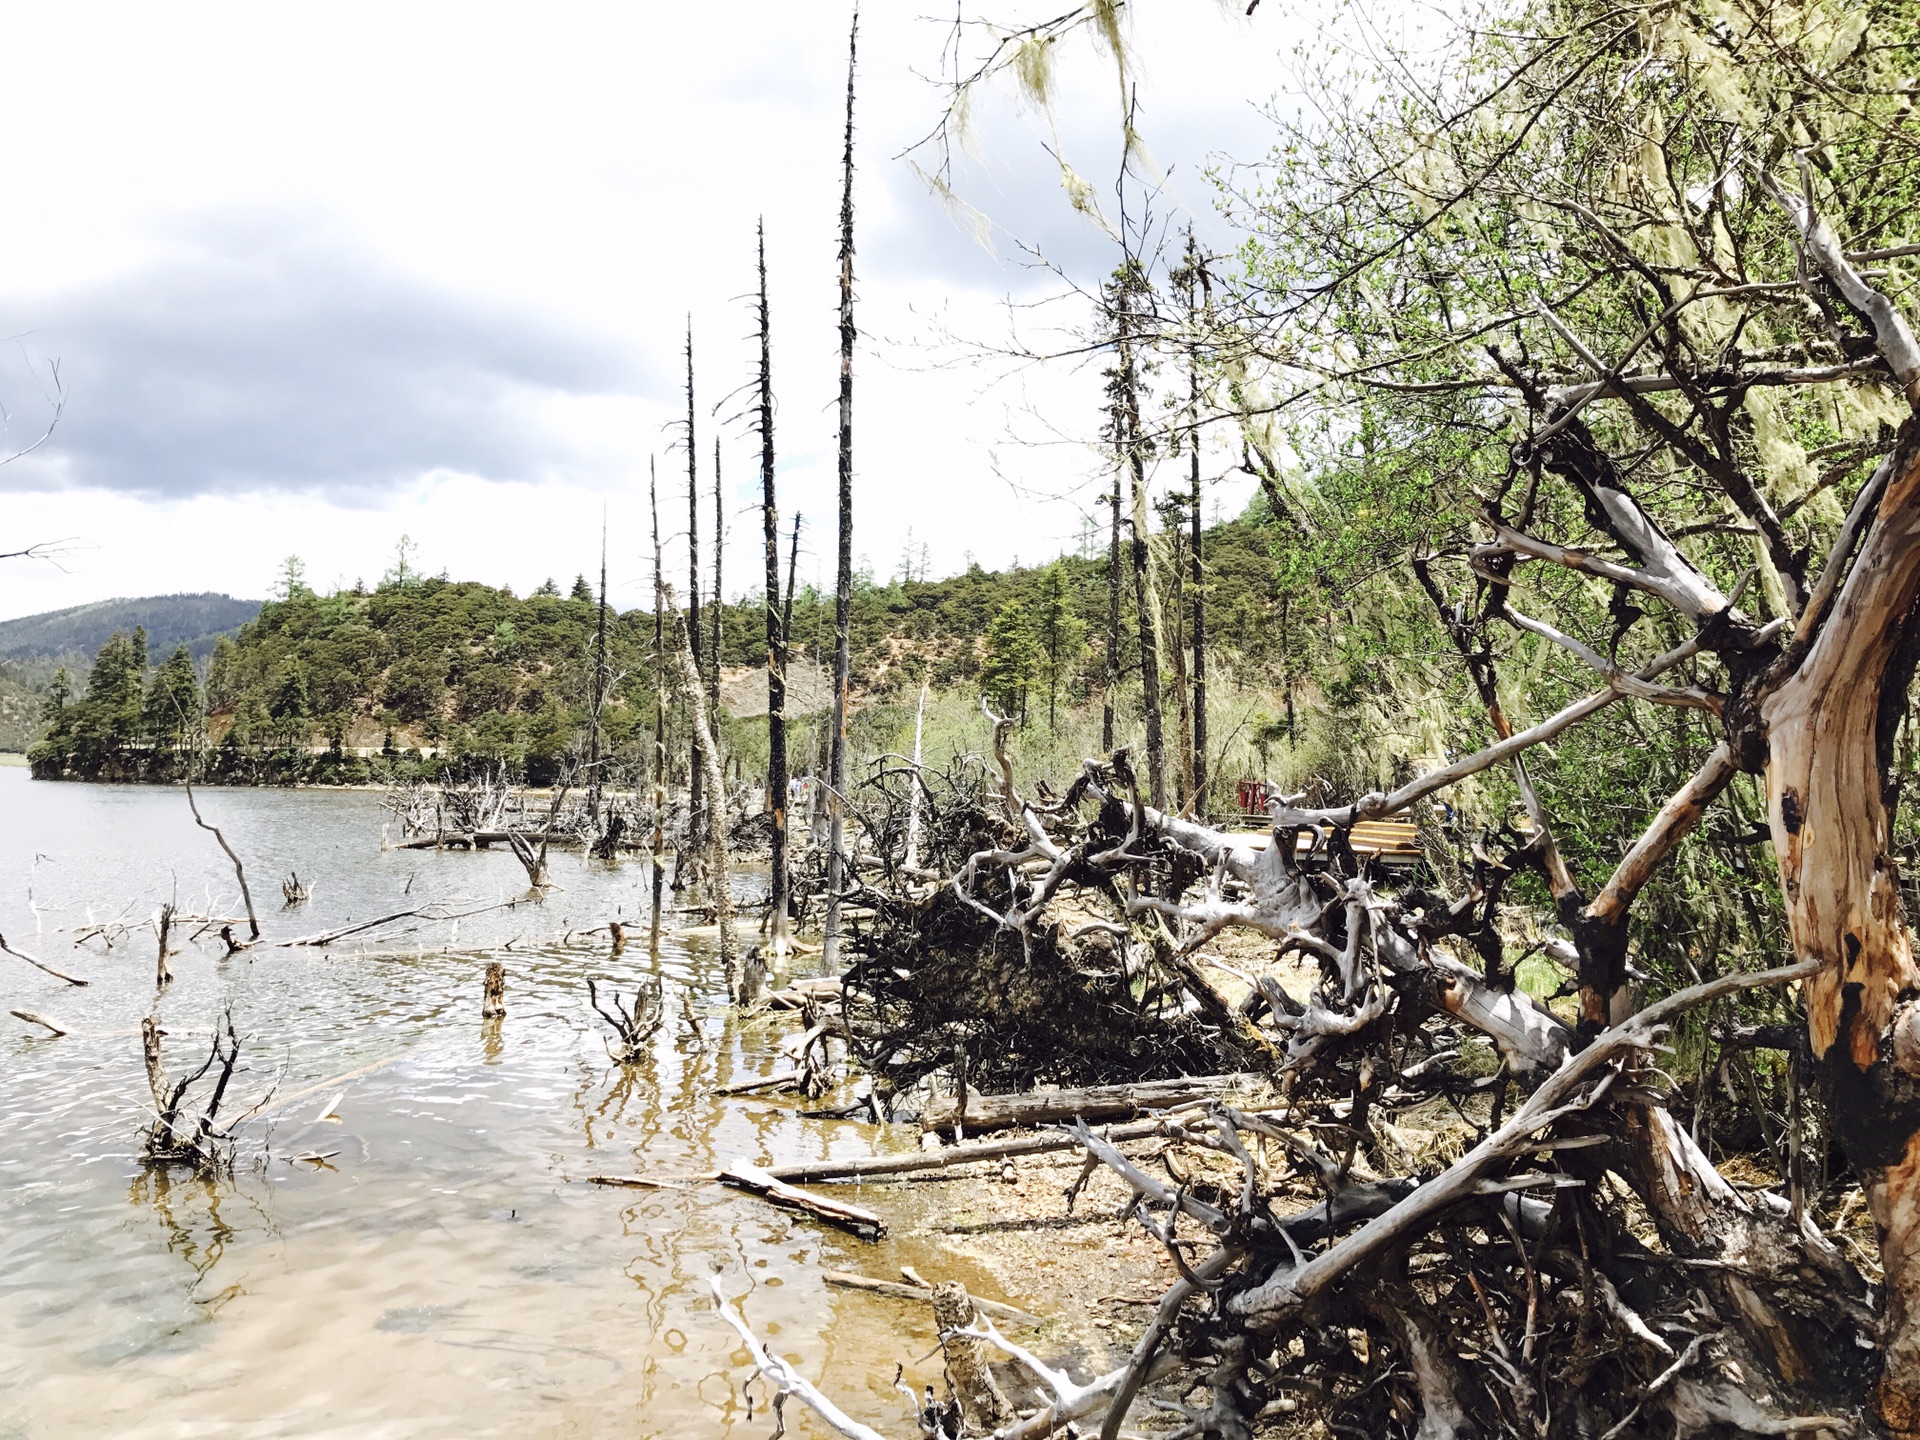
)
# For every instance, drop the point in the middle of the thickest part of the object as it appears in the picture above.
(324, 686)
(170, 621)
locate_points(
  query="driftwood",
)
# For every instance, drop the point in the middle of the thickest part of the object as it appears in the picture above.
(493, 992)
(873, 1167)
(54, 1027)
(1101, 1102)
(239, 870)
(744, 1175)
(37, 964)
(900, 1290)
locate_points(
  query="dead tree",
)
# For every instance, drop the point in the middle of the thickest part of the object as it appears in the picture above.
(295, 890)
(239, 870)
(163, 972)
(696, 776)
(779, 938)
(533, 858)
(843, 583)
(1194, 275)
(718, 878)
(1129, 287)
(602, 678)
(493, 992)
(177, 1136)
(633, 1024)
(716, 613)
(657, 850)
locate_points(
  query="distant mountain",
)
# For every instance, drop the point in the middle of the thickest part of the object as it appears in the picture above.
(195, 621)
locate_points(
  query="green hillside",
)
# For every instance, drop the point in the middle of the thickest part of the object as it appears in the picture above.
(346, 685)
(170, 621)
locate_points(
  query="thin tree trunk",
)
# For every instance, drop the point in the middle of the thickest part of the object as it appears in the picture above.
(599, 690)
(911, 859)
(1145, 600)
(696, 810)
(843, 586)
(1196, 548)
(659, 848)
(778, 938)
(717, 880)
(1110, 661)
(1178, 651)
(719, 594)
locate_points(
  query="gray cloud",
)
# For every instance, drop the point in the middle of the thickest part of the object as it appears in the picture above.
(270, 354)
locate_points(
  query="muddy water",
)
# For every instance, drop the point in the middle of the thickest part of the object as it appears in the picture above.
(444, 1269)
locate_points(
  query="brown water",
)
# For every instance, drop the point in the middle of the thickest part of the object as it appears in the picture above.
(445, 1271)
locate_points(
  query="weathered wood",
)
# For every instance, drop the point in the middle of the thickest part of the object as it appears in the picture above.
(493, 994)
(873, 1167)
(37, 964)
(1098, 1102)
(981, 1402)
(33, 1019)
(898, 1290)
(745, 1175)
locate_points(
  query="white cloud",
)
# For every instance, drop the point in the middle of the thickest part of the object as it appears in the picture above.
(322, 275)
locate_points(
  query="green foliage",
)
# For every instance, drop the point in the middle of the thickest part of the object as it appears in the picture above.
(1013, 660)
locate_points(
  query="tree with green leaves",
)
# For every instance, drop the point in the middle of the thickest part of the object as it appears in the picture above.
(1015, 660)
(1059, 635)
(172, 705)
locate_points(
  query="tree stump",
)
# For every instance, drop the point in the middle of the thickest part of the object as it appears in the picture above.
(493, 1002)
(981, 1400)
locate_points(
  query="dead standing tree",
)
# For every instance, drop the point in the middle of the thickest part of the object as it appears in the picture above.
(779, 938)
(719, 883)
(843, 583)
(657, 851)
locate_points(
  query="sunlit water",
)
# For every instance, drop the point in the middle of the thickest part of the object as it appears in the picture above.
(446, 1271)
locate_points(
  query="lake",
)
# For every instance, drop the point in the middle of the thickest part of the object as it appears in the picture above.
(443, 1269)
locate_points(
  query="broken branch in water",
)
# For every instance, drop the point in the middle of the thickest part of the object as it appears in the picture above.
(33, 1019)
(743, 1175)
(786, 1380)
(239, 870)
(37, 964)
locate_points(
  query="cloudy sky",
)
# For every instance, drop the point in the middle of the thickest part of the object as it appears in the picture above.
(317, 276)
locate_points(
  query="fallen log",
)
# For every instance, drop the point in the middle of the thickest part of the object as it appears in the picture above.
(899, 1290)
(33, 1019)
(1099, 1102)
(868, 1167)
(744, 1175)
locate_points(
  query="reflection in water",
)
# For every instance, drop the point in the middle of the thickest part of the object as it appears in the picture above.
(445, 1269)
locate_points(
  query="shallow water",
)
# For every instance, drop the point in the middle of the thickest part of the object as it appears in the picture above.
(445, 1270)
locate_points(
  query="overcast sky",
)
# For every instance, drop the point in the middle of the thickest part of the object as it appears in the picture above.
(317, 276)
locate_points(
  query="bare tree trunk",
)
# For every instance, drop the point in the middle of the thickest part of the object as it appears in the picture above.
(599, 690)
(843, 585)
(1178, 651)
(1829, 744)
(1145, 599)
(696, 811)
(717, 878)
(1196, 545)
(717, 614)
(658, 853)
(911, 857)
(779, 940)
(1110, 660)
